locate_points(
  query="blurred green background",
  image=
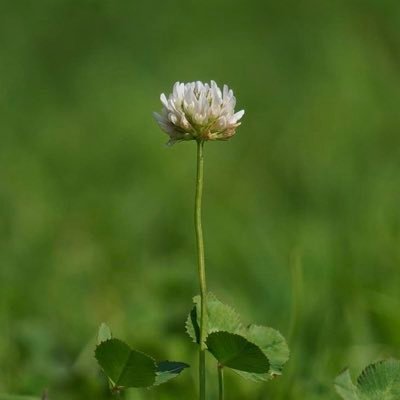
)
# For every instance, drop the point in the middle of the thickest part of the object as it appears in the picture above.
(302, 218)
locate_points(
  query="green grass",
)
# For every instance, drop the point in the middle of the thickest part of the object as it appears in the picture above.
(96, 213)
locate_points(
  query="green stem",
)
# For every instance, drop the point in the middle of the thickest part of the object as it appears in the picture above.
(221, 387)
(201, 269)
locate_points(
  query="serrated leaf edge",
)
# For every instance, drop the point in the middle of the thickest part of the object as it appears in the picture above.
(210, 297)
(278, 332)
(264, 377)
(237, 334)
(184, 365)
(339, 387)
(243, 337)
(130, 348)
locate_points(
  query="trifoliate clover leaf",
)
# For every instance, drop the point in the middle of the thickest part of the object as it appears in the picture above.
(236, 352)
(127, 368)
(378, 381)
(221, 317)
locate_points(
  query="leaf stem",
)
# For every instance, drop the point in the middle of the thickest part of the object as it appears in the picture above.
(221, 386)
(201, 269)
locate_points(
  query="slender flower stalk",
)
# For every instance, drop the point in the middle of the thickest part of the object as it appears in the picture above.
(221, 387)
(201, 268)
(201, 112)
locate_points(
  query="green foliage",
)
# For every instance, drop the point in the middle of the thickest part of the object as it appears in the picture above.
(220, 317)
(273, 345)
(104, 333)
(167, 370)
(345, 387)
(228, 337)
(234, 351)
(378, 381)
(127, 368)
(92, 204)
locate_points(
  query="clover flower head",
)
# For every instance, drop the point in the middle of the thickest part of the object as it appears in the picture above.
(198, 111)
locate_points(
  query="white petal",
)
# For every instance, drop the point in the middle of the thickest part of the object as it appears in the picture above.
(238, 115)
(225, 93)
(173, 118)
(164, 100)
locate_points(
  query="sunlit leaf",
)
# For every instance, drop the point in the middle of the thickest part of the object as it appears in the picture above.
(345, 387)
(104, 333)
(378, 381)
(273, 345)
(220, 317)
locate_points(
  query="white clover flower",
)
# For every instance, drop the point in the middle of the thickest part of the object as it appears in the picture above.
(198, 111)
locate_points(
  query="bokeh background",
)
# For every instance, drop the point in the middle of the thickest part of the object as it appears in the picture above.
(302, 218)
